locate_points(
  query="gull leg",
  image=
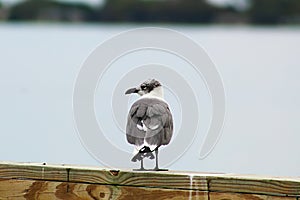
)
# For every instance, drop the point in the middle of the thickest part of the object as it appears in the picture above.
(141, 159)
(142, 165)
(156, 162)
(144, 152)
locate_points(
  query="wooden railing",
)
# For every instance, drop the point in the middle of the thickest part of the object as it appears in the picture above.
(43, 181)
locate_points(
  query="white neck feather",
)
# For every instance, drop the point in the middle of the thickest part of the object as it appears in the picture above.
(156, 92)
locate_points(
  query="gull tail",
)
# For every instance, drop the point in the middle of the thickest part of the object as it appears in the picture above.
(144, 152)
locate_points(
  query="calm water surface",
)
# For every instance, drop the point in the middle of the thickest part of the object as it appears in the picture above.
(259, 66)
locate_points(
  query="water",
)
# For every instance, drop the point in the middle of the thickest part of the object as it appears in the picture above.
(259, 66)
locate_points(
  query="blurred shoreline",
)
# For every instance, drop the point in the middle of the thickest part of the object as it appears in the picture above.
(259, 12)
(135, 24)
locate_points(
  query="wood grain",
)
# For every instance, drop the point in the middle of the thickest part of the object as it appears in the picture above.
(43, 181)
(44, 190)
(242, 196)
(255, 185)
(150, 179)
(32, 171)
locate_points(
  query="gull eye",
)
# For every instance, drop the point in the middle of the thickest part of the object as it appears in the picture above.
(144, 87)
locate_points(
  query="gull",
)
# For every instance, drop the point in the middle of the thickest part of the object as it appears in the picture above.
(149, 122)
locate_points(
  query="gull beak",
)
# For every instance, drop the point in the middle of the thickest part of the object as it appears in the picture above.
(132, 90)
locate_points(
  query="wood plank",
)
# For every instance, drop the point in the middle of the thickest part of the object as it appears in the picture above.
(47, 190)
(171, 180)
(255, 185)
(32, 171)
(179, 182)
(236, 196)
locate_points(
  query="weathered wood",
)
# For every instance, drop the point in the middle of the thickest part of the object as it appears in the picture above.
(244, 196)
(255, 185)
(38, 181)
(171, 180)
(48, 190)
(33, 171)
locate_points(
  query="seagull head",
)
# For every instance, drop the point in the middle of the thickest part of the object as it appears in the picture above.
(150, 87)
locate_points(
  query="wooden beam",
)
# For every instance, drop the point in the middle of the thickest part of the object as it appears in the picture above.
(251, 184)
(43, 181)
(245, 196)
(168, 180)
(36, 171)
(48, 190)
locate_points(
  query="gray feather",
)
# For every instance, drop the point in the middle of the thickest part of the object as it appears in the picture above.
(156, 116)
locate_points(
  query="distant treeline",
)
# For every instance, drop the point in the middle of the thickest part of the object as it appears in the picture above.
(177, 11)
